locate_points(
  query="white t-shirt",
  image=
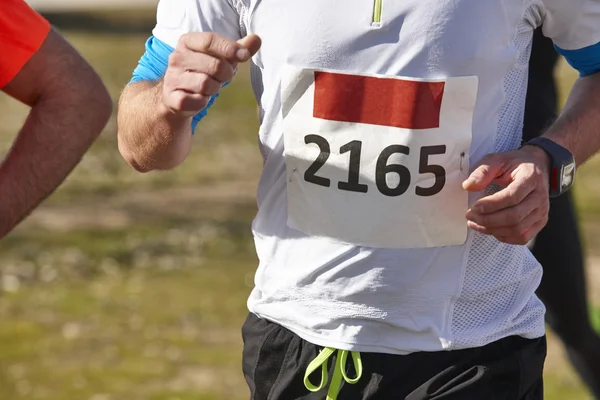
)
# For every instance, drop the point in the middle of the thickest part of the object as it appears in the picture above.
(370, 119)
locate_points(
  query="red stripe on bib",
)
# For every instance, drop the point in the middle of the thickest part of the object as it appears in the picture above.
(378, 101)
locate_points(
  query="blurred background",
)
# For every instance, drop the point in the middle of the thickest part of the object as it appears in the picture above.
(130, 286)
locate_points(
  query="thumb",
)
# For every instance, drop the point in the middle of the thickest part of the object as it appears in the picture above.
(489, 168)
(251, 44)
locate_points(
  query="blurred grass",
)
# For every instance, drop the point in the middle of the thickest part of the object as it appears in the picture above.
(129, 286)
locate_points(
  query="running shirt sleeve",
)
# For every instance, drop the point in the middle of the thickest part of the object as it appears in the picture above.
(176, 18)
(22, 32)
(574, 27)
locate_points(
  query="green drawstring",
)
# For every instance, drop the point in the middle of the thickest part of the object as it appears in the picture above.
(339, 371)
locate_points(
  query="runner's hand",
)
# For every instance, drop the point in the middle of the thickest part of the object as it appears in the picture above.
(199, 66)
(515, 214)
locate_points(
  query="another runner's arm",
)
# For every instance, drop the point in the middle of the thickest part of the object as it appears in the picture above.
(193, 53)
(69, 108)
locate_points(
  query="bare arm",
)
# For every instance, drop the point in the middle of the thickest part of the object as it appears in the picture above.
(578, 126)
(69, 108)
(155, 117)
(150, 135)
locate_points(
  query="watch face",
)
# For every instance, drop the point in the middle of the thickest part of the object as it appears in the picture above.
(567, 176)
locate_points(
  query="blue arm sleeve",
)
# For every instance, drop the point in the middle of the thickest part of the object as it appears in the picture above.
(153, 65)
(585, 60)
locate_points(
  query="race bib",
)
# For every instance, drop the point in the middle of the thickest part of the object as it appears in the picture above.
(377, 161)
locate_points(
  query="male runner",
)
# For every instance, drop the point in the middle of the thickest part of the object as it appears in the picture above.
(558, 247)
(395, 201)
(69, 108)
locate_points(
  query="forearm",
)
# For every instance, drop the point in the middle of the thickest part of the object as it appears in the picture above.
(150, 136)
(578, 126)
(57, 133)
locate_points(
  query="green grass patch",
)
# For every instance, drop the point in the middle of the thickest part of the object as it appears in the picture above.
(135, 334)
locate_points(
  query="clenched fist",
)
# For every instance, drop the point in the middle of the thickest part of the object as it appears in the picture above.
(198, 68)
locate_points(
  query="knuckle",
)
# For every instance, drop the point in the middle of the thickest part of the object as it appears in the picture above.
(176, 58)
(228, 49)
(206, 41)
(219, 45)
(200, 103)
(514, 196)
(515, 232)
(227, 70)
(197, 41)
(169, 81)
(171, 100)
(203, 83)
(177, 101)
(216, 66)
(513, 216)
(482, 220)
(182, 42)
(521, 227)
(187, 102)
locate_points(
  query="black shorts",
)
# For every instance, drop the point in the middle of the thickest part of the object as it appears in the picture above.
(275, 361)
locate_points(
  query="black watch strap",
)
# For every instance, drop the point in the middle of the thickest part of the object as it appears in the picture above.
(562, 164)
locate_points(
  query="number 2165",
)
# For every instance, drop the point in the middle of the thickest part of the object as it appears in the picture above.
(382, 168)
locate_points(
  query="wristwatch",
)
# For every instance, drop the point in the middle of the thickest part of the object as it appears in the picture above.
(562, 164)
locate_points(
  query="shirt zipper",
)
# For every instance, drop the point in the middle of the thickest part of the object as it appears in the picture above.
(377, 11)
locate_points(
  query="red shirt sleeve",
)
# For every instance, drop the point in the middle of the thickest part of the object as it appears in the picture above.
(22, 32)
